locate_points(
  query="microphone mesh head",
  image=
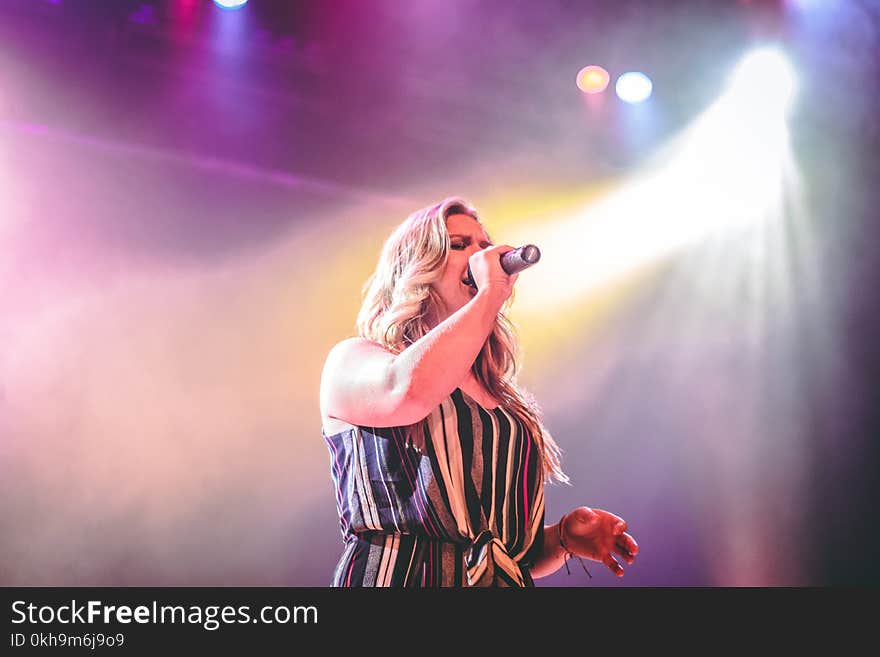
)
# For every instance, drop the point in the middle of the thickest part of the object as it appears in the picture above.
(530, 253)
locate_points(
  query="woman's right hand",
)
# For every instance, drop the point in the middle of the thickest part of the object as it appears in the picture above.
(488, 275)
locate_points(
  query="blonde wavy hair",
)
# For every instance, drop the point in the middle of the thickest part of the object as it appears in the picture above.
(398, 297)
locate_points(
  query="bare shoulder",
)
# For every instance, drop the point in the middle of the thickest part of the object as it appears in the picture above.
(352, 351)
(356, 345)
(357, 383)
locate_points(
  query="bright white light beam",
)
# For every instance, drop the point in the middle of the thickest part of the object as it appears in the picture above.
(723, 174)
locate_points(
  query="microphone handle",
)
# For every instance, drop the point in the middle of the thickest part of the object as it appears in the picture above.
(514, 261)
(519, 259)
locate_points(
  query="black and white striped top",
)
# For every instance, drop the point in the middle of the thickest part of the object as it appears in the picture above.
(466, 508)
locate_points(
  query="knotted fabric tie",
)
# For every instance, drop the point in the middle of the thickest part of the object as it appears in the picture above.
(489, 564)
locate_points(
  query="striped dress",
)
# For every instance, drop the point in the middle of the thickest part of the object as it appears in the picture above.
(466, 508)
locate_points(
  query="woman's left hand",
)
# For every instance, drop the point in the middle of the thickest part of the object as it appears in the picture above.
(599, 535)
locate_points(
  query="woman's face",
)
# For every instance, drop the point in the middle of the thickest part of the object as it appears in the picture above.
(466, 237)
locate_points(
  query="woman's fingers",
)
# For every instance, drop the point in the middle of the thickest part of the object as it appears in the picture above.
(628, 556)
(626, 546)
(613, 565)
(607, 534)
(628, 543)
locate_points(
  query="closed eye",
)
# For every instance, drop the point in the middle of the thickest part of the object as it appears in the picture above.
(466, 240)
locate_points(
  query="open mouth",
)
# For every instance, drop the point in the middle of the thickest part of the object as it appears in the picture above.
(470, 286)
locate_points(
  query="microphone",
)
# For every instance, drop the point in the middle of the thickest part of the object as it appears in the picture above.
(513, 261)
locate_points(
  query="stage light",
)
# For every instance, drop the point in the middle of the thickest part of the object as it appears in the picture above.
(763, 80)
(807, 5)
(634, 87)
(592, 79)
(724, 177)
(230, 4)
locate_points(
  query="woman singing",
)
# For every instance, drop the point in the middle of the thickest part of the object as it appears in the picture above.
(438, 457)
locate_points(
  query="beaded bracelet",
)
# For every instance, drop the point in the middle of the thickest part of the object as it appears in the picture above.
(569, 553)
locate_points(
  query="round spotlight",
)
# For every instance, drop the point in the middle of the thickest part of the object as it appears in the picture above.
(230, 4)
(592, 79)
(634, 87)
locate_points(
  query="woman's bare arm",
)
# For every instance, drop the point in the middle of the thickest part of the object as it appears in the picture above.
(363, 383)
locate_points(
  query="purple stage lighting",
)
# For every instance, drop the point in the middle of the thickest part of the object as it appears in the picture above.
(230, 4)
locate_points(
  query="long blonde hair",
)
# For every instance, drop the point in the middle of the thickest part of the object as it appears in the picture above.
(398, 297)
